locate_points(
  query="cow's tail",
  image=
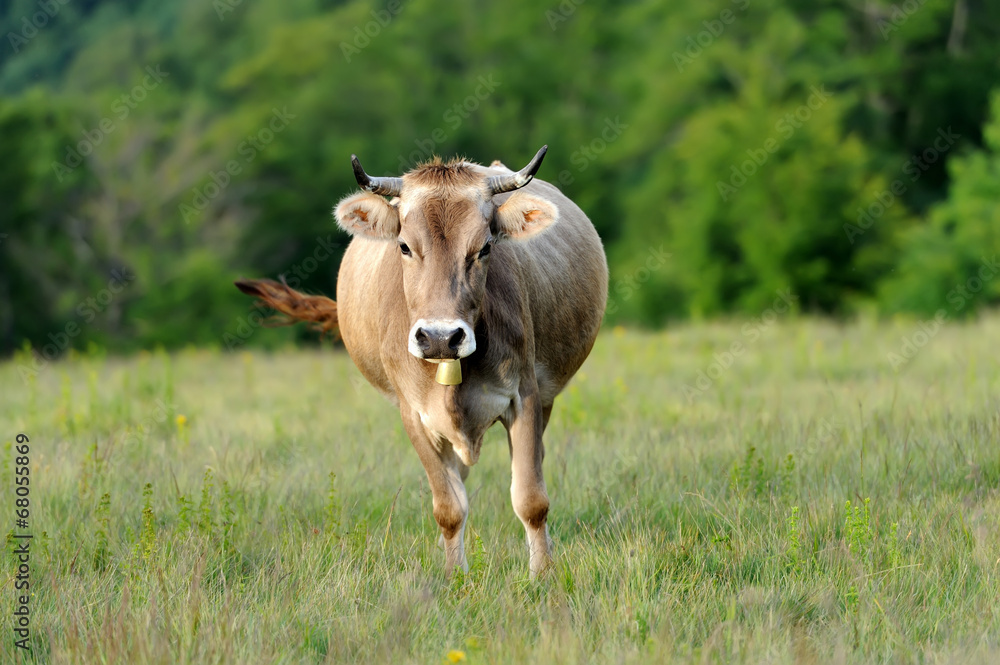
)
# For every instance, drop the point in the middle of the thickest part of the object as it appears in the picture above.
(320, 311)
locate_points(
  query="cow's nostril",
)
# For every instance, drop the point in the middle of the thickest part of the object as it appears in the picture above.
(421, 338)
(456, 339)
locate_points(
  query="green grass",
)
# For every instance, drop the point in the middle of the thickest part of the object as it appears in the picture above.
(811, 506)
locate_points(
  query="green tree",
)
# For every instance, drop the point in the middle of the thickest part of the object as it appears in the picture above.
(950, 262)
(45, 260)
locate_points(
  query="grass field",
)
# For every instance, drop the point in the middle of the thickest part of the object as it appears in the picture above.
(183, 510)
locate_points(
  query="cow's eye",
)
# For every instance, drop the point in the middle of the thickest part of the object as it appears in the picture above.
(485, 251)
(404, 248)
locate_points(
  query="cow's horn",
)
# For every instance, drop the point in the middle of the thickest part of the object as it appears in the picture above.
(383, 186)
(499, 184)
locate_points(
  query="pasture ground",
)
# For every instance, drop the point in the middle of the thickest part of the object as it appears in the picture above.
(811, 505)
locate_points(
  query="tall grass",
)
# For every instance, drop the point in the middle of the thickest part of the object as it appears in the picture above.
(810, 506)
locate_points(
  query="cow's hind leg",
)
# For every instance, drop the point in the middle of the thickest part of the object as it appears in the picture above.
(527, 486)
(446, 475)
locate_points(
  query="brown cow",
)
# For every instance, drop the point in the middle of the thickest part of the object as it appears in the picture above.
(456, 266)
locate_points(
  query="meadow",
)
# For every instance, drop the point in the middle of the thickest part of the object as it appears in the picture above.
(808, 503)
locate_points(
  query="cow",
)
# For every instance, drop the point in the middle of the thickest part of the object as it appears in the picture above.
(481, 266)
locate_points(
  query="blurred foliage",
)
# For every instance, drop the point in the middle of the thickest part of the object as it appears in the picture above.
(952, 262)
(726, 151)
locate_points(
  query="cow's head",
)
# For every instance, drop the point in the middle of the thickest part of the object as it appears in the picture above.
(444, 220)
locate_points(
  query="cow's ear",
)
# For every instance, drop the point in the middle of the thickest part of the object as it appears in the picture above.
(524, 215)
(368, 215)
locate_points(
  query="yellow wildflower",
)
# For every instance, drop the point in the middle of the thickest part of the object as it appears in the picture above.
(455, 656)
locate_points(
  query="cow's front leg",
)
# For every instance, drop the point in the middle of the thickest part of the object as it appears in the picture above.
(527, 485)
(446, 475)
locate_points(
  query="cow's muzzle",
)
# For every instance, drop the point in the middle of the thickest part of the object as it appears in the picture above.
(442, 339)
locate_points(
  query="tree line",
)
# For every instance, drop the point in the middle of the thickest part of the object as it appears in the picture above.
(727, 151)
